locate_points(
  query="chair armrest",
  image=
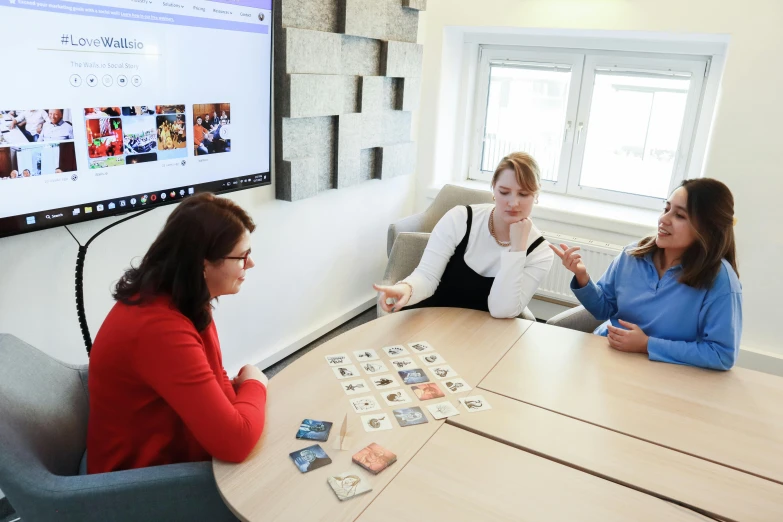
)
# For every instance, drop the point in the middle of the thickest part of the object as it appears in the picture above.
(576, 319)
(414, 223)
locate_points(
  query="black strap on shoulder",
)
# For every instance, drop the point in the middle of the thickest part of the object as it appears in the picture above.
(470, 218)
(534, 245)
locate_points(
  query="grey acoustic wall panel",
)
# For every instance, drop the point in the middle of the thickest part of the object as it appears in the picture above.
(352, 94)
(303, 137)
(373, 88)
(419, 5)
(312, 52)
(315, 95)
(397, 160)
(318, 15)
(349, 150)
(402, 24)
(360, 56)
(401, 59)
(298, 179)
(409, 94)
(368, 165)
(363, 18)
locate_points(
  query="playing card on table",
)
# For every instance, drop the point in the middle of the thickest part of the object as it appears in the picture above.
(442, 372)
(475, 403)
(374, 367)
(395, 397)
(376, 422)
(364, 404)
(346, 372)
(383, 382)
(432, 358)
(355, 387)
(395, 351)
(420, 347)
(310, 458)
(427, 391)
(365, 355)
(314, 430)
(457, 385)
(413, 376)
(402, 363)
(338, 359)
(374, 458)
(410, 416)
(348, 485)
(441, 410)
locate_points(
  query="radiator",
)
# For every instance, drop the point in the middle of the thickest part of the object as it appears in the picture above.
(596, 255)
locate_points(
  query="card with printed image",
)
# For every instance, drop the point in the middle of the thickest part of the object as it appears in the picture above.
(376, 422)
(314, 430)
(396, 397)
(410, 416)
(457, 385)
(348, 485)
(403, 363)
(432, 358)
(374, 367)
(355, 387)
(443, 372)
(338, 359)
(475, 403)
(413, 376)
(366, 355)
(346, 372)
(364, 404)
(384, 382)
(428, 391)
(420, 347)
(396, 350)
(442, 410)
(310, 458)
(374, 458)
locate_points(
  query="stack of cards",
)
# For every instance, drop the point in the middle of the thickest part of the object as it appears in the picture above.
(427, 391)
(348, 485)
(375, 458)
(410, 416)
(314, 430)
(310, 458)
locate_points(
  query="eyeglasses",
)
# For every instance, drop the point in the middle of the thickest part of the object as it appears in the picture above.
(242, 258)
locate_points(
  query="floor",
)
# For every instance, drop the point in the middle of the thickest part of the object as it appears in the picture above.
(6, 513)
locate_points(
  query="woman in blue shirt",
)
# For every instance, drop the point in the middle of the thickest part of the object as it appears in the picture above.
(675, 296)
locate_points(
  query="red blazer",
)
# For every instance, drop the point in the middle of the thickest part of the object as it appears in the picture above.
(159, 393)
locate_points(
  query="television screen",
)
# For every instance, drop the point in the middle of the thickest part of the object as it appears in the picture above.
(111, 106)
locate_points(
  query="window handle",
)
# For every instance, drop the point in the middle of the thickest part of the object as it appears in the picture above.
(568, 129)
(579, 133)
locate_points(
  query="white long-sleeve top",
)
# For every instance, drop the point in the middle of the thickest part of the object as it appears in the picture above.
(517, 276)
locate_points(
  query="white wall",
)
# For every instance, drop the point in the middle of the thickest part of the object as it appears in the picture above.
(745, 147)
(315, 259)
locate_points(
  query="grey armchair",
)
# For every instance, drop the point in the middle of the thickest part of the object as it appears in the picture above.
(576, 318)
(43, 435)
(449, 197)
(404, 258)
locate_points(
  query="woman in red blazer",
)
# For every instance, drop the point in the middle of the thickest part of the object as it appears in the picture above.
(158, 390)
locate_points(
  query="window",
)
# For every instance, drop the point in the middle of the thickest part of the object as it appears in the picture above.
(611, 126)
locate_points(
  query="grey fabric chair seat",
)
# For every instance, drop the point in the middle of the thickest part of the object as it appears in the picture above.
(576, 318)
(404, 258)
(43, 436)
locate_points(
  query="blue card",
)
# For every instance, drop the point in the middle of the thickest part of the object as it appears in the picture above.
(413, 376)
(314, 430)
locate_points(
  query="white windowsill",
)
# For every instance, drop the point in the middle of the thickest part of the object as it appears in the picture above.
(620, 219)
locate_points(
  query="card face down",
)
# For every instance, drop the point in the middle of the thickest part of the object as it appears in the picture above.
(413, 376)
(410, 416)
(310, 458)
(427, 391)
(314, 430)
(348, 485)
(375, 458)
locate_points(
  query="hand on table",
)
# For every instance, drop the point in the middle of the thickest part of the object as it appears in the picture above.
(247, 373)
(632, 340)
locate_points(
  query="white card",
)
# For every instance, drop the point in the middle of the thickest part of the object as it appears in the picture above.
(366, 355)
(376, 422)
(420, 347)
(432, 358)
(338, 359)
(442, 372)
(355, 387)
(395, 397)
(403, 363)
(383, 382)
(442, 410)
(396, 350)
(475, 403)
(374, 367)
(457, 385)
(346, 372)
(365, 404)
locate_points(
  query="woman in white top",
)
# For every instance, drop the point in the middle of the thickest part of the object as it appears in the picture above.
(483, 257)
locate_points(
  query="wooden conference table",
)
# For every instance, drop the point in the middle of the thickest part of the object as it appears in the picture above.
(577, 431)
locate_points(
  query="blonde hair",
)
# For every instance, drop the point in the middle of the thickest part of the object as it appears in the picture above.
(525, 168)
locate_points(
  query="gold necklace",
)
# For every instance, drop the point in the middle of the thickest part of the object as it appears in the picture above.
(492, 230)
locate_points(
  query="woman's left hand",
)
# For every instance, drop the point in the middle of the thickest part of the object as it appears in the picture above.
(631, 340)
(519, 233)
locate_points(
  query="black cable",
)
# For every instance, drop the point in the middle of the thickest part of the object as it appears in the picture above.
(80, 257)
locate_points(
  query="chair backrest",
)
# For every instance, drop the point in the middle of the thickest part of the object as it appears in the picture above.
(43, 417)
(404, 258)
(451, 196)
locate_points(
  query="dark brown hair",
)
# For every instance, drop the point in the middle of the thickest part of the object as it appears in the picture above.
(525, 168)
(710, 210)
(203, 227)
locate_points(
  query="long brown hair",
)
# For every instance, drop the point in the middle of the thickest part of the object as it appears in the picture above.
(710, 210)
(203, 227)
